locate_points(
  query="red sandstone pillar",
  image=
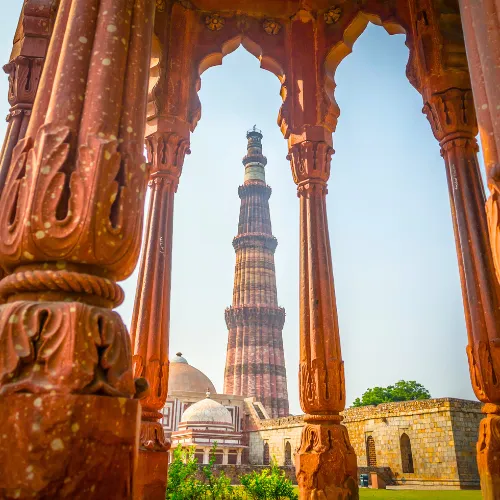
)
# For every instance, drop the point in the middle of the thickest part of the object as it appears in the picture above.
(24, 69)
(150, 324)
(326, 463)
(451, 114)
(481, 21)
(70, 228)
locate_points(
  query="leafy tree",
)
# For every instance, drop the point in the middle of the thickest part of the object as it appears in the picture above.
(269, 484)
(400, 391)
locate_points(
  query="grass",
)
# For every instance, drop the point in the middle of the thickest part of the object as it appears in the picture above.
(366, 494)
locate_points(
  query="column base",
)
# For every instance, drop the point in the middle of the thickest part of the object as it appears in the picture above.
(68, 446)
(151, 477)
(488, 455)
(326, 464)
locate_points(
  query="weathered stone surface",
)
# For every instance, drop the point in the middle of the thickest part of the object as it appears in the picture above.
(60, 446)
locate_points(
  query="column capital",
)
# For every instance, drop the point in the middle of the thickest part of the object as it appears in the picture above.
(451, 114)
(166, 153)
(24, 75)
(310, 162)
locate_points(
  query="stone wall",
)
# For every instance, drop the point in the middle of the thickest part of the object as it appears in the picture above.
(442, 434)
(276, 432)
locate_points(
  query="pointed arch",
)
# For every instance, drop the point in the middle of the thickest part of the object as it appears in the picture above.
(371, 453)
(288, 453)
(266, 459)
(406, 454)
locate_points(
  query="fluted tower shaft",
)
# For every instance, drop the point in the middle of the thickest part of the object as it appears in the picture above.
(255, 362)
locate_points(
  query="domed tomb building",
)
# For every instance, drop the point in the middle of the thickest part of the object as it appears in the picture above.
(187, 386)
(205, 423)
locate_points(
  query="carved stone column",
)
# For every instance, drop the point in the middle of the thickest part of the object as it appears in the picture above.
(452, 117)
(150, 323)
(326, 463)
(480, 20)
(24, 70)
(70, 228)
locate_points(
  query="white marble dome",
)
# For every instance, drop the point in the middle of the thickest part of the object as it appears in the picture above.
(207, 410)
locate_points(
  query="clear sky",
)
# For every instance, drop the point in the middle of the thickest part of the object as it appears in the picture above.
(396, 276)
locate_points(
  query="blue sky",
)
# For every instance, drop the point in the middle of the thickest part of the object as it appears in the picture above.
(396, 276)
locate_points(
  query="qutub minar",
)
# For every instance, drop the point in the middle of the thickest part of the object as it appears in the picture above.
(255, 362)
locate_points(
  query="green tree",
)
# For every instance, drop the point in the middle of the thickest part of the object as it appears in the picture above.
(401, 391)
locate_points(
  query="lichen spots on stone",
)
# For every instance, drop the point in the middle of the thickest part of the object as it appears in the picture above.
(37, 403)
(39, 235)
(83, 39)
(111, 28)
(57, 444)
(75, 427)
(107, 155)
(45, 170)
(13, 319)
(28, 255)
(106, 61)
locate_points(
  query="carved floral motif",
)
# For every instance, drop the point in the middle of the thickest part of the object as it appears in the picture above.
(271, 26)
(53, 221)
(160, 5)
(70, 346)
(451, 112)
(166, 154)
(488, 452)
(321, 386)
(310, 161)
(214, 22)
(24, 75)
(332, 15)
(326, 463)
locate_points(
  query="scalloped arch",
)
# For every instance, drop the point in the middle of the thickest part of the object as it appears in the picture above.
(266, 62)
(343, 48)
(215, 59)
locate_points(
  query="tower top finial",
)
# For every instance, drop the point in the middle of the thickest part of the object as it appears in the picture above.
(254, 132)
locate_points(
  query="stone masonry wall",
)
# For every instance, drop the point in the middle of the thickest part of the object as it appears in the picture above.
(442, 433)
(465, 425)
(276, 432)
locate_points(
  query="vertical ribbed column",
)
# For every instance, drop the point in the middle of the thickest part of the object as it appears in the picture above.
(255, 359)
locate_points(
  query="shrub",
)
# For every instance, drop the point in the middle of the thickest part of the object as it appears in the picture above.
(269, 484)
(184, 484)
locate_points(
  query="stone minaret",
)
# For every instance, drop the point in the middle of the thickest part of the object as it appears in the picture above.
(255, 362)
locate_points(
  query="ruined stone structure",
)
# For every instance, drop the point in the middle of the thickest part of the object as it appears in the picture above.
(416, 443)
(72, 206)
(255, 362)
